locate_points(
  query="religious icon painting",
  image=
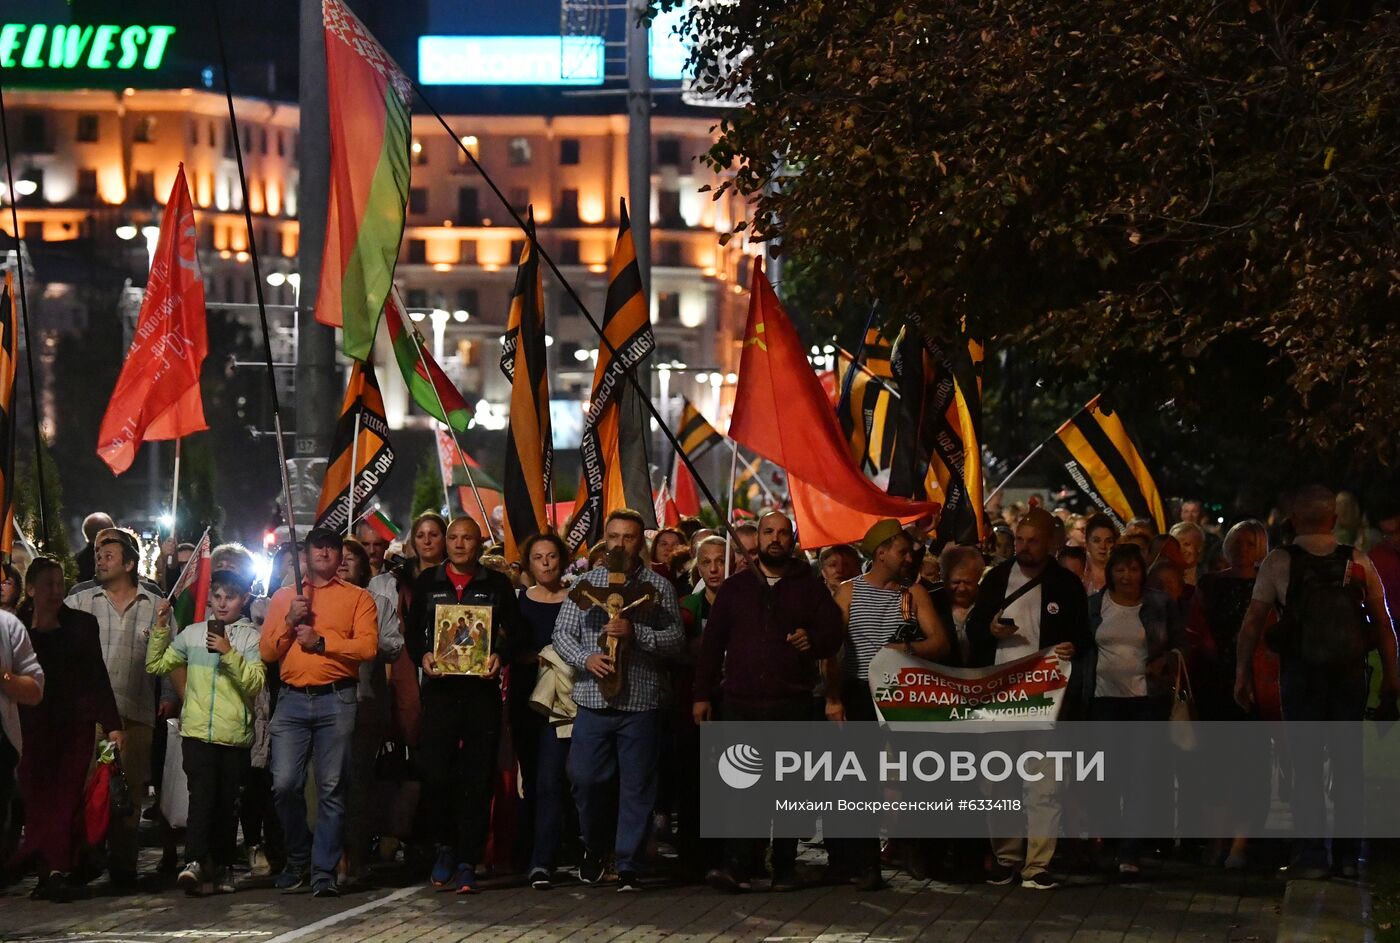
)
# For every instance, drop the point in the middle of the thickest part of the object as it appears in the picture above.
(462, 639)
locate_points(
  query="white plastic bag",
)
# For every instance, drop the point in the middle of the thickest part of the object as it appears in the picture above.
(174, 787)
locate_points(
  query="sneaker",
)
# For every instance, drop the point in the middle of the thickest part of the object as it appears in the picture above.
(1002, 875)
(1040, 882)
(464, 881)
(52, 887)
(325, 888)
(223, 881)
(258, 865)
(443, 867)
(627, 882)
(590, 871)
(723, 879)
(190, 878)
(539, 879)
(291, 880)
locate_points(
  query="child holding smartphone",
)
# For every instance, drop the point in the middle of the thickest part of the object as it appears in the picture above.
(225, 674)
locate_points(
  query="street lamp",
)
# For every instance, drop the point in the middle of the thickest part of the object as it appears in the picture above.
(127, 232)
(26, 187)
(440, 319)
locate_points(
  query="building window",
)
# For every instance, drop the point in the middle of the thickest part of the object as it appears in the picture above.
(87, 182)
(417, 252)
(473, 146)
(519, 152)
(467, 298)
(569, 252)
(668, 208)
(281, 143)
(668, 307)
(520, 199)
(143, 186)
(567, 214)
(34, 132)
(468, 213)
(417, 298)
(420, 153)
(466, 252)
(248, 139)
(668, 152)
(87, 129)
(145, 129)
(194, 133)
(418, 201)
(668, 252)
(263, 132)
(33, 231)
(568, 152)
(213, 134)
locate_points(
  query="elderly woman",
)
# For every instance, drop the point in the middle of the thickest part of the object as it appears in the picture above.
(953, 599)
(1213, 628)
(1128, 673)
(1191, 537)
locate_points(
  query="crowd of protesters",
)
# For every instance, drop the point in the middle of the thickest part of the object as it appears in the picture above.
(573, 751)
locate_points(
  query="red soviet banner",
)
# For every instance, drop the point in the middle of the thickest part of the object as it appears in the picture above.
(157, 394)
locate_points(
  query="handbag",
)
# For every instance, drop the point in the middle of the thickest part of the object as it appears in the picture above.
(1183, 712)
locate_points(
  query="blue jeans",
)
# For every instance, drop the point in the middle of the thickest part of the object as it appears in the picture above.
(1335, 695)
(615, 745)
(551, 787)
(307, 727)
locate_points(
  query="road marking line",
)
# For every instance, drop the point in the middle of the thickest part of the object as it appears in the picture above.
(333, 919)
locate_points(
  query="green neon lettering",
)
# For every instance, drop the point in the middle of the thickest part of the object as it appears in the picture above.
(132, 38)
(101, 45)
(34, 47)
(9, 43)
(160, 35)
(56, 46)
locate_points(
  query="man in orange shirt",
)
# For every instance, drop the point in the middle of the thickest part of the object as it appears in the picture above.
(319, 635)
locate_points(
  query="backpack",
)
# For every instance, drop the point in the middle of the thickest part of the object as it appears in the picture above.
(1323, 621)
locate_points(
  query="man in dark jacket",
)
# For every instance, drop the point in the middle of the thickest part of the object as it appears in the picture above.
(461, 713)
(1024, 605)
(769, 629)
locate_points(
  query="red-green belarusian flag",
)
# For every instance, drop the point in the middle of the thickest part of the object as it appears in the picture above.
(430, 388)
(379, 522)
(190, 595)
(367, 97)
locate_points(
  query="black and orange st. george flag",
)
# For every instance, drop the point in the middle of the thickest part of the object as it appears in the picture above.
(361, 442)
(613, 447)
(1106, 464)
(695, 433)
(9, 331)
(529, 450)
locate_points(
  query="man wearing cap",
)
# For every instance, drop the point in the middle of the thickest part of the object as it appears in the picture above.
(877, 606)
(1024, 605)
(319, 635)
(125, 609)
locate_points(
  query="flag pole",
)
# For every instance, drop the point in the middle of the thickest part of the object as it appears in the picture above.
(354, 465)
(986, 503)
(628, 370)
(174, 508)
(258, 288)
(28, 334)
(844, 401)
(729, 505)
(451, 433)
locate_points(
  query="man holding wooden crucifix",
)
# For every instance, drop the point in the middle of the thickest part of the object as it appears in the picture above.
(616, 731)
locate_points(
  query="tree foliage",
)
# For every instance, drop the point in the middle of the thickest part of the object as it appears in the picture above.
(1192, 202)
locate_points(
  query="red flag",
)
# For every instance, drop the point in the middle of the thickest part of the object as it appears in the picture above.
(782, 413)
(157, 394)
(686, 497)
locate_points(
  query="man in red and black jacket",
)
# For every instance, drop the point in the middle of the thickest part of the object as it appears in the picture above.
(461, 727)
(769, 629)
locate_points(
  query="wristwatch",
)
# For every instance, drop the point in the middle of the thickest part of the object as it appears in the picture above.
(320, 646)
(6, 678)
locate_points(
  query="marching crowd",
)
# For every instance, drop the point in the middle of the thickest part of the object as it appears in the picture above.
(324, 723)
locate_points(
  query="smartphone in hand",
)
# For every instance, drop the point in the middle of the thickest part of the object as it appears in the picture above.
(216, 627)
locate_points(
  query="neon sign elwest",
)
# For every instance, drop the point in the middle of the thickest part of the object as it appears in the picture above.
(83, 46)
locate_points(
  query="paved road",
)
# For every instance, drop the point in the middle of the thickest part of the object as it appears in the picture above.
(1174, 905)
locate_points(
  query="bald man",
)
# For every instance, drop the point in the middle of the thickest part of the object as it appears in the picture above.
(461, 727)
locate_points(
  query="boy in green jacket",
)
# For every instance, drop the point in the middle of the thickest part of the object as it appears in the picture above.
(225, 674)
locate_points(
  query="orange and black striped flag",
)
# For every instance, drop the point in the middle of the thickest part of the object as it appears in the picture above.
(361, 441)
(613, 447)
(9, 331)
(696, 435)
(869, 418)
(1105, 463)
(529, 448)
(939, 453)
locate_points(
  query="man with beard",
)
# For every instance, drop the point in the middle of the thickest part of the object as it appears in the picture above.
(1024, 605)
(615, 742)
(769, 629)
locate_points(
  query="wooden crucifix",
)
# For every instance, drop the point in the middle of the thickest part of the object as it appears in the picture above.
(622, 594)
